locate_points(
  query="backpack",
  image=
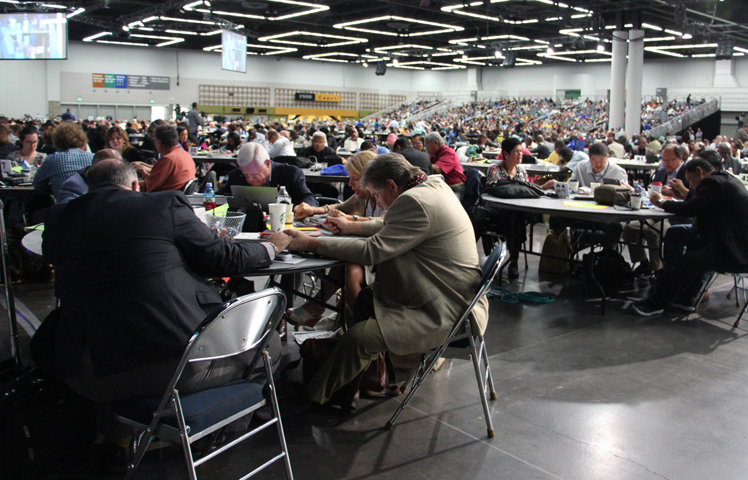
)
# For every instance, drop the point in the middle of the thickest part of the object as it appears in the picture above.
(509, 188)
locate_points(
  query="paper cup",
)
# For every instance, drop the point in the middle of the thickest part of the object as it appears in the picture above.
(636, 201)
(593, 187)
(277, 213)
(574, 186)
(655, 187)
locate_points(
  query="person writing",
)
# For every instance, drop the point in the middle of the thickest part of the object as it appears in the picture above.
(357, 210)
(427, 273)
(28, 138)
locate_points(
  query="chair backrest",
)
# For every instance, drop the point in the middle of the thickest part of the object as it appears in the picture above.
(491, 266)
(189, 187)
(237, 326)
(327, 201)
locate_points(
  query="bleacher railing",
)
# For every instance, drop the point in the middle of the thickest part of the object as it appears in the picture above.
(683, 121)
(389, 109)
(428, 112)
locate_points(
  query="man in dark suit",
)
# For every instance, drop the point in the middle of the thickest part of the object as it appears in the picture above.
(673, 158)
(256, 169)
(131, 271)
(719, 203)
(419, 159)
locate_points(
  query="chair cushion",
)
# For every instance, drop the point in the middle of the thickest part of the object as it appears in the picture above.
(200, 409)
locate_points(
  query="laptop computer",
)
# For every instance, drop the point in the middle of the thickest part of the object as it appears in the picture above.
(245, 196)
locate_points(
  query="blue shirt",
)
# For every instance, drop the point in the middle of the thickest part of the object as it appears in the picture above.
(59, 166)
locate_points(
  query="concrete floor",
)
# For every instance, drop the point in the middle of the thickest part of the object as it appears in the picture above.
(580, 396)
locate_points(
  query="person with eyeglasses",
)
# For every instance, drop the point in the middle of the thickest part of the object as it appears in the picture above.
(28, 139)
(319, 150)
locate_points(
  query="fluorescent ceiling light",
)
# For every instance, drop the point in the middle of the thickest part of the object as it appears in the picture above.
(312, 8)
(232, 14)
(98, 35)
(209, 34)
(698, 55)
(185, 20)
(149, 19)
(740, 49)
(156, 37)
(467, 41)
(273, 49)
(658, 39)
(325, 57)
(171, 42)
(591, 60)
(684, 47)
(76, 12)
(664, 52)
(181, 32)
(279, 39)
(651, 27)
(129, 44)
(548, 55)
(444, 28)
(193, 4)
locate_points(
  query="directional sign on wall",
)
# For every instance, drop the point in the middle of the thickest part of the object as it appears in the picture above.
(141, 82)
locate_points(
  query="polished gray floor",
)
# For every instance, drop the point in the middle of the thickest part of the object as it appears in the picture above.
(580, 396)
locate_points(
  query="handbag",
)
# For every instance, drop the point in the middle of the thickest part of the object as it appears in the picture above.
(508, 188)
(612, 195)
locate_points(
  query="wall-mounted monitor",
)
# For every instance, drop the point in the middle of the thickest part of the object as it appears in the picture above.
(234, 51)
(33, 36)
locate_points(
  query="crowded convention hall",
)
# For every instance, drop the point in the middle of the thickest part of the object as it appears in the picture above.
(343, 240)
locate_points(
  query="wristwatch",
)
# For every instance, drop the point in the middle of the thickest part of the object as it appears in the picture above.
(355, 218)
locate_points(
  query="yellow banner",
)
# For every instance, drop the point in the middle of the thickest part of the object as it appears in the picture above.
(326, 97)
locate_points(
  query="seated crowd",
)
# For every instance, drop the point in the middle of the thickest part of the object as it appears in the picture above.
(133, 289)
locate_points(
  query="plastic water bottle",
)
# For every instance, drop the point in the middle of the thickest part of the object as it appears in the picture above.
(284, 197)
(209, 197)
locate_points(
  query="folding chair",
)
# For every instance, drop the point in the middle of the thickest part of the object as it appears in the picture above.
(738, 279)
(463, 330)
(190, 187)
(237, 326)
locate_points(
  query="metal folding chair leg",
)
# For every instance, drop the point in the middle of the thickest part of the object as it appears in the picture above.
(276, 413)
(412, 384)
(705, 287)
(478, 355)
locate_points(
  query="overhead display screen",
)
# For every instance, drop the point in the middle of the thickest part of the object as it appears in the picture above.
(33, 36)
(234, 51)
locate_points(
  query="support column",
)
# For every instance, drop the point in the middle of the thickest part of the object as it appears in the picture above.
(634, 76)
(618, 79)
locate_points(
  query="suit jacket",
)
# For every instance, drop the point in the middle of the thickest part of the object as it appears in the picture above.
(416, 158)
(427, 267)
(130, 276)
(281, 174)
(720, 205)
(660, 175)
(327, 155)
